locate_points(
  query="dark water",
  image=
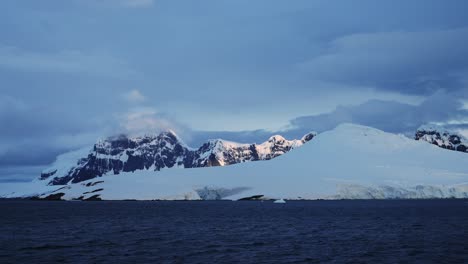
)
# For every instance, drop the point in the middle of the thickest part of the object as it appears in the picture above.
(431, 231)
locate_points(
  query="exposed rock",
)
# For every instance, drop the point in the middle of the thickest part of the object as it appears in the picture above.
(53, 197)
(442, 137)
(89, 184)
(97, 190)
(252, 198)
(93, 198)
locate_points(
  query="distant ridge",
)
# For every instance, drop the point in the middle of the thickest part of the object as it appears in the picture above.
(442, 137)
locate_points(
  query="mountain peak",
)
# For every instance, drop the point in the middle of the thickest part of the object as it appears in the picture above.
(276, 138)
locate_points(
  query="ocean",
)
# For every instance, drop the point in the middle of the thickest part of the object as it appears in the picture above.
(346, 231)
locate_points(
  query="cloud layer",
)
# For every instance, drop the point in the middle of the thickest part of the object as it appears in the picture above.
(387, 115)
(409, 62)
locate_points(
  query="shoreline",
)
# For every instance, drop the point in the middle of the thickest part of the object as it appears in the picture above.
(35, 199)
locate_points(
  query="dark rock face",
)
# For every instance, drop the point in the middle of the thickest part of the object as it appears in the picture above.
(53, 197)
(252, 198)
(47, 175)
(93, 191)
(462, 148)
(166, 150)
(442, 138)
(93, 198)
(89, 184)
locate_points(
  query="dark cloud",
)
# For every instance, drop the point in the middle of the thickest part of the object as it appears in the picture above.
(19, 173)
(389, 116)
(408, 62)
(32, 135)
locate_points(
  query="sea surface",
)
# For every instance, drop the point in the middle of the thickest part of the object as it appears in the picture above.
(393, 231)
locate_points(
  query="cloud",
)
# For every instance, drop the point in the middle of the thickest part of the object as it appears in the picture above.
(34, 135)
(143, 119)
(146, 120)
(134, 96)
(117, 3)
(409, 62)
(137, 3)
(19, 173)
(8, 103)
(389, 116)
(64, 61)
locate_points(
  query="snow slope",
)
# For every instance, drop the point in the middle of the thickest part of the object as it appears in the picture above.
(350, 161)
(65, 162)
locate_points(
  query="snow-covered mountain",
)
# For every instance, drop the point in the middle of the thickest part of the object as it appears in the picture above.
(442, 137)
(155, 152)
(348, 162)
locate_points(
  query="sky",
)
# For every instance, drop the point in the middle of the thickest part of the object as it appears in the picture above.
(78, 70)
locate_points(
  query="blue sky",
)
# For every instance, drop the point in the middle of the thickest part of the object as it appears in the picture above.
(77, 70)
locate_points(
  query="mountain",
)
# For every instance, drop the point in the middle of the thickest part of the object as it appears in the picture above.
(442, 137)
(155, 152)
(348, 162)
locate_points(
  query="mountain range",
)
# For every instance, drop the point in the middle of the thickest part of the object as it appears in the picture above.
(348, 162)
(156, 152)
